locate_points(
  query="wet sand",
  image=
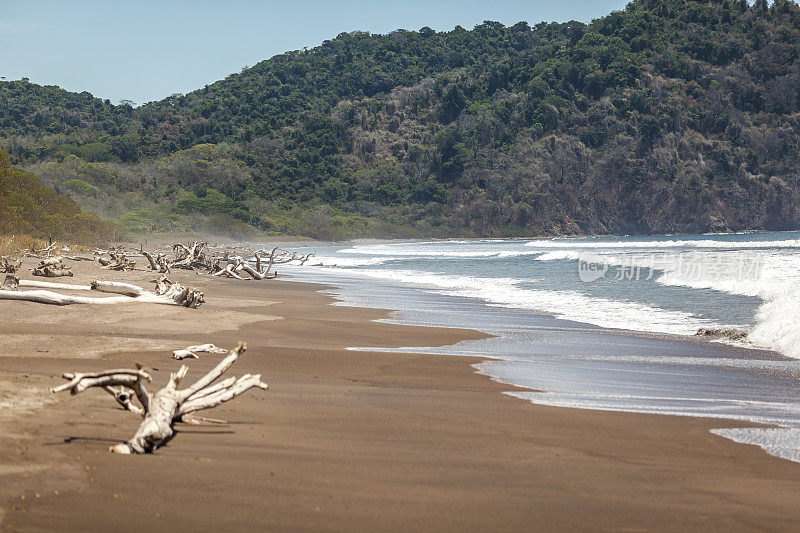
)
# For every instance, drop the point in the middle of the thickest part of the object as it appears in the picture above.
(343, 440)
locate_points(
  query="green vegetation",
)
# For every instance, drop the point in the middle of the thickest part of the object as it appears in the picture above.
(28, 208)
(669, 116)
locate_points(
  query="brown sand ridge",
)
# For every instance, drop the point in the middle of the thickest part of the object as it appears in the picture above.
(343, 440)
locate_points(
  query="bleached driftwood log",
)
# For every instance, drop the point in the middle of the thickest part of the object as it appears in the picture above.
(191, 351)
(8, 265)
(162, 409)
(158, 263)
(52, 267)
(117, 261)
(191, 257)
(230, 270)
(237, 267)
(38, 252)
(166, 292)
(277, 256)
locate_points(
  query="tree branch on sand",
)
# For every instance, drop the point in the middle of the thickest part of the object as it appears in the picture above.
(194, 256)
(8, 265)
(166, 292)
(163, 409)
(237, 266)
(116, 261)
(191, 351)
(52, 267)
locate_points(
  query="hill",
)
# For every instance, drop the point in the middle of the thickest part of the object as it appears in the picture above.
(27, 208)
(669, 116)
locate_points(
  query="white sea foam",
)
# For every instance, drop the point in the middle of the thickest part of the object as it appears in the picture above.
(569, 305)
(776, 281)
(421, 252)
(346, 262)
(780, 442)
(655, 244)
(667, 383)
(561, 255)
(689, 263)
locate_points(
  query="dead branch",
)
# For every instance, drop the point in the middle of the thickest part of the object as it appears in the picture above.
(52, 267)
(163, 409)
(191, 257)
(278, 256)
(229, 271)
(166, 292)
(8, 265)
(118, 261)
(191, 351)
(158, 263)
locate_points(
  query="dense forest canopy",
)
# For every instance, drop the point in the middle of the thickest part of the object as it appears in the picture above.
(669, 116)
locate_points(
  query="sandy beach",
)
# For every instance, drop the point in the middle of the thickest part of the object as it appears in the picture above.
(343, 440)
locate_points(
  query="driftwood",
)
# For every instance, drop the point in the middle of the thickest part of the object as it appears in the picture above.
(237, 267)
(191, 351)
(117, 261)
(8, 265)
(166, 292)
(10, 283)
(733, 334)
(232, 269)
(163, 409)
(38, 252)
(158, 263)
(278, 256)
(52, 267)
(191, 257)
(194, 256)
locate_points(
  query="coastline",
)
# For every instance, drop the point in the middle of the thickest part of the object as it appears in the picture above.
(350, 439)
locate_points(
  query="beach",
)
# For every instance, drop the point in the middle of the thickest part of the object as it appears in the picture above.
(343, 440)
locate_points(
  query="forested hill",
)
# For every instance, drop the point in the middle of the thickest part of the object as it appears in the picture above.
(669, 116)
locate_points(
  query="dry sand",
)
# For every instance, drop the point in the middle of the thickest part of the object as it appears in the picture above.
(343, 440)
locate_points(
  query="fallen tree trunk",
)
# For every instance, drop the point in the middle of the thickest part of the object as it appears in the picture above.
(229, 271)
(162, 409)
(158, 263)
(50, 285)
(166, 293)
(52, 267)
(191, 257)
(8, 265)
(190, 351)
(118, 261)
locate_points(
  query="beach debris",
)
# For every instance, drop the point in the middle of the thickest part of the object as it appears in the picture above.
(158, 263)
(237, 265)
(8, 265)
(163, 409)
(116, 260)
(37, 253)
(191, 351)
(11, 283)
(197, 256)
(166, 292)
(191, 257)
(722, 333)
(52, 267)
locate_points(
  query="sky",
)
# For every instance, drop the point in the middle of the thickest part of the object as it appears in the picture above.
(147, 50)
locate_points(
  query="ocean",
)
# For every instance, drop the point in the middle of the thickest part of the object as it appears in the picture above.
(605, 323)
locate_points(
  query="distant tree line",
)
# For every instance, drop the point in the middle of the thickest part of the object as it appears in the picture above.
(671, 115)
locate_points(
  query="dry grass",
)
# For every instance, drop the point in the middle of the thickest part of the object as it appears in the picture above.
(9, 244)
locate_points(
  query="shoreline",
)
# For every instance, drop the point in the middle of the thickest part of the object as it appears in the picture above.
(353, 439)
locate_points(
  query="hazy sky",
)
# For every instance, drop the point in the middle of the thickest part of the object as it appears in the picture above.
(146, 50)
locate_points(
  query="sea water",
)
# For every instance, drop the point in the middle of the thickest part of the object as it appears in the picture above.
(605, 323)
